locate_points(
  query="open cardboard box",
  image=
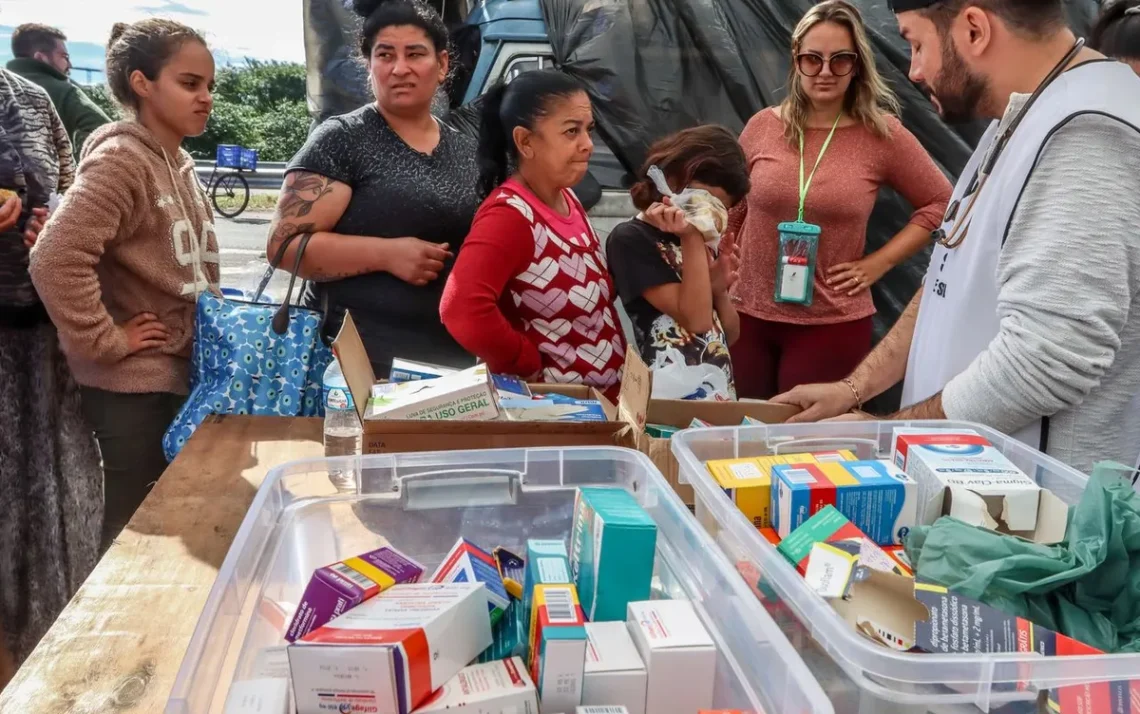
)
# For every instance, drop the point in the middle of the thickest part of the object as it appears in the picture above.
(383, 436)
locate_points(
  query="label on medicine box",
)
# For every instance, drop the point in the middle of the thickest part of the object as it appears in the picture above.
(557, 645)
(679, 655)
(500, 687)
(831, 527)
(406, 370)
(390, 653)
(613, 542)
(595, 709)
(463, 396)
(468, 563)
(876, 496)
(258, 696)
(614, 673)
(547, 563)
(748, 482)
(339, 587)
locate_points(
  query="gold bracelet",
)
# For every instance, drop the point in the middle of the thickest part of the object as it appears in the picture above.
(854, 391)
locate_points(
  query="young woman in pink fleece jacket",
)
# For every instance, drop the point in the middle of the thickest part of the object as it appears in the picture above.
(123, 259)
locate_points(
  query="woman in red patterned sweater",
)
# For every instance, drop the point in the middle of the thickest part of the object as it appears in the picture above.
(530, 293)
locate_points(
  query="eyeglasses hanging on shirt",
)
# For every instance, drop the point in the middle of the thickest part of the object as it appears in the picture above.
(961, 227)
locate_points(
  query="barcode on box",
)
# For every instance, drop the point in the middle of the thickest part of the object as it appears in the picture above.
(560, 606)
(602, 710)
(799, 476)
(354, 575)
(746, 471)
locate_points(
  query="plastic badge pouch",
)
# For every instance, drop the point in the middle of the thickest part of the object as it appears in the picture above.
(795, 273)
(704, 211)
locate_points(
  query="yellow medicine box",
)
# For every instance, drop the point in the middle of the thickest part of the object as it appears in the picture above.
(748, 482)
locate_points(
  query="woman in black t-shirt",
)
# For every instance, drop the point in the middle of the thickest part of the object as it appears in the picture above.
(683, 319)
(388, 194)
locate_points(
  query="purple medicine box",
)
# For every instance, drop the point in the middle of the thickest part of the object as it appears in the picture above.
(337, 588)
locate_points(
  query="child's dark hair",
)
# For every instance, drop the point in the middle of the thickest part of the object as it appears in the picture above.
(379, 14)
(507, 106)
(145, 46)
(1117, 30)
(709, 154)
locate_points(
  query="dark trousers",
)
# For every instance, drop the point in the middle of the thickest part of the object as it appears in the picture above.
(773, 357)
(129, 428)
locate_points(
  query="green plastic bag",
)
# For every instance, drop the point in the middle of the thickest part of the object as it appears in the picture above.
(1086, 587)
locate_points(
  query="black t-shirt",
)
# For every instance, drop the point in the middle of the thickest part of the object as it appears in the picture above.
(642, 257)
(396, 192)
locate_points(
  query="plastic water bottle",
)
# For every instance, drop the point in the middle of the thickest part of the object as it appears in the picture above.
(343, 433)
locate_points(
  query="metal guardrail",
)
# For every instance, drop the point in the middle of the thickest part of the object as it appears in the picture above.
(269, 174)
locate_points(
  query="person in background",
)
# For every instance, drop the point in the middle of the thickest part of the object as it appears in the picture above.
(387, 194)
(822, 156)
(122, 261)
(1117, 32)
(530, 294)
(1028, 321)
(41, 56)
(51, 506)
(674, 288)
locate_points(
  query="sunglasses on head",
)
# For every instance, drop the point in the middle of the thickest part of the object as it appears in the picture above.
(811, 64)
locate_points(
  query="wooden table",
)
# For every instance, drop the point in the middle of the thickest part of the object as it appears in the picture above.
(118, 645)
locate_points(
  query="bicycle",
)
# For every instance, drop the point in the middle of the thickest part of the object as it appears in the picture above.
(231, 184)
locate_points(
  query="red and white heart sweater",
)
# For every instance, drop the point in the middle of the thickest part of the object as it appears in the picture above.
(531, 293)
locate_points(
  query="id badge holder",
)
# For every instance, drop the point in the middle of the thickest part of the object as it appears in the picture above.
(795, 266)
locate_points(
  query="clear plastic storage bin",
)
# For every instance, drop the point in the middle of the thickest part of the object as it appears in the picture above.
(859, 675)
(421, 504)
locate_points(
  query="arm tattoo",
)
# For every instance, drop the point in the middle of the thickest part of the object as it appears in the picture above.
(301, 191)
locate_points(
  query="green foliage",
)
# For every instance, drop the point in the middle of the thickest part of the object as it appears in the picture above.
(102, 96)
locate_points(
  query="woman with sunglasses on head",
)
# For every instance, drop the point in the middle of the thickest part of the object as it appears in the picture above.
(818, 161)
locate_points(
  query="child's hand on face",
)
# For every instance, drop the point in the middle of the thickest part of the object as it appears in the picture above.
(670, 219)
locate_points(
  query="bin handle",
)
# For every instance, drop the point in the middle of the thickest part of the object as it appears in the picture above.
(823, 444)
(454, 488)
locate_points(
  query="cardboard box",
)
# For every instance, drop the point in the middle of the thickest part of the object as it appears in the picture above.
(679, 655)
(390, 653)
(613, 543)
(830, 527)
(464, 396)
(557, 646)
(614, 673)
(405, 370)
(961, 474)
(547, 563)
(468, 563)
(258, 696)
(748, 481)
(337, 588)
(396, 436)
(876, 496)
(501, 687)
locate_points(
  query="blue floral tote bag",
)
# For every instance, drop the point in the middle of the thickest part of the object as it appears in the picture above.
(253, 358)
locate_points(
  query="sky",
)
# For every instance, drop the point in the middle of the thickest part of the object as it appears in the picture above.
(262, 29)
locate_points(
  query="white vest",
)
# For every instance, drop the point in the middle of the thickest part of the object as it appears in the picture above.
(958, 316)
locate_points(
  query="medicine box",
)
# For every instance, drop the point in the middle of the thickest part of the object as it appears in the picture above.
(468, 563)
(613, 542)
(876, 496)
(831, 527)
(390, 653)
(500, 687)
(679, 655)
(594, 709)
(960, 473)
(512, 569)
(463, 396)
(748, 482)
(547, 563)
(342, 586)
(557, 646)
(258, 696)
(406, 370)
(614, 673)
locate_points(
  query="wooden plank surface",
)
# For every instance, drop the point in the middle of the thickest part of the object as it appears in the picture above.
(118, 644)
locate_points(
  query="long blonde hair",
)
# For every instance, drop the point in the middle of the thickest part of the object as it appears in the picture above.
(869, 99)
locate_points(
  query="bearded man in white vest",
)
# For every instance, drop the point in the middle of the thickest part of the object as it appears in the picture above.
(1029, 318)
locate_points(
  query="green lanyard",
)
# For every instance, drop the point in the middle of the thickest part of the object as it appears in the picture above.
(805, 186)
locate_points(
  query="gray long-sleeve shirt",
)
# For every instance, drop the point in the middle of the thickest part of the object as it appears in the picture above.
(1069, 302)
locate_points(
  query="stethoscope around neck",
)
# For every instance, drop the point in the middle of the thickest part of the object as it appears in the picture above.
(961, 226)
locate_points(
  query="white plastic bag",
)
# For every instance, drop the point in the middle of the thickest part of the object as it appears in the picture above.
(674, 379)
(704, 211)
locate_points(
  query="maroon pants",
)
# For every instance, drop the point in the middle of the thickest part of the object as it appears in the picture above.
(773, 357)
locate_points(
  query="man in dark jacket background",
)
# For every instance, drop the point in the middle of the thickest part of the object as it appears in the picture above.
(41, 56)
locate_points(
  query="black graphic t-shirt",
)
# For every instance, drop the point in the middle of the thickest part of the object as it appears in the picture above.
(642, 257)
(396, 192)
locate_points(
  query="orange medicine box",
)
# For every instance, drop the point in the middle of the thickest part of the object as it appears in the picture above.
(748, 482)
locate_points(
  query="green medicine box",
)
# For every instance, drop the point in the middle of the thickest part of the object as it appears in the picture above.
(613, 541)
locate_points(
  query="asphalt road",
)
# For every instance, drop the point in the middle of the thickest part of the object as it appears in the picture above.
(242, 244)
